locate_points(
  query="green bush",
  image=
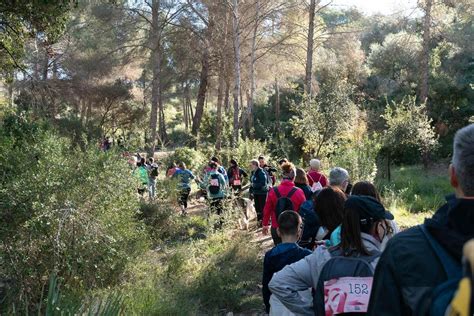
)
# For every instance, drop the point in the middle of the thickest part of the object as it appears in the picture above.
(62, 210)
(191, 157)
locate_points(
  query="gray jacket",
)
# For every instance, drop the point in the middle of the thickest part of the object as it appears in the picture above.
(304, 274)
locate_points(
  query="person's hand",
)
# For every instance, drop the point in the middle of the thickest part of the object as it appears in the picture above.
(265, 230)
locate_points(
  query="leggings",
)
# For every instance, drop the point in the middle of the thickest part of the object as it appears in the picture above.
(259, 200)
(183, 197)
(216, 207)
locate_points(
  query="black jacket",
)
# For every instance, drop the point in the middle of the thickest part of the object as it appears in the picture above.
(275, 260)
(306, 189)
(409, 269)
(230, 174)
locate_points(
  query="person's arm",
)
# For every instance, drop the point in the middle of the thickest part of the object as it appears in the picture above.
(267, 276)
(286, 283)
(386, 297)
(268, 208)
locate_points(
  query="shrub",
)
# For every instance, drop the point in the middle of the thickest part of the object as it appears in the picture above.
(191, 157)
(63, 210)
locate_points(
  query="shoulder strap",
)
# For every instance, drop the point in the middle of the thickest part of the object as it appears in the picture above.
(450, 266)
(290, 194)
(312, 179)
(275, 189)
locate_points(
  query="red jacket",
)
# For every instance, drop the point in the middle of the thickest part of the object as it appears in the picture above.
(317, 176)
(284, 188)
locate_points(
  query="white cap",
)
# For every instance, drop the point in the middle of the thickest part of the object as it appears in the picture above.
(315, 163)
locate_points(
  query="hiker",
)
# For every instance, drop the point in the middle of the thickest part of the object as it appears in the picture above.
(236, 175)
(282, 198)
(339, 178)
(367, 188)
(301, 181)
(152, 176)
(340, 276)
(311, 223)
(259, 186)
(317, 180)
(184, 176)
(329, 206)
(220, 168)
(215, 185)
(400, 287)
(172, 168)
(270, 171)
(278, 257)
(282, 161)
(141, 174)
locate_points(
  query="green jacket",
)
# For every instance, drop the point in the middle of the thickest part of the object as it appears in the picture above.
(141, 174)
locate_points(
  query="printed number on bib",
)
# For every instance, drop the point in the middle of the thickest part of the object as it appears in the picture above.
(237, 182)
(214, 182)
(347, 295)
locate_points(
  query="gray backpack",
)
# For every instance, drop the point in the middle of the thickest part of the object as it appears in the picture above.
(339, 266)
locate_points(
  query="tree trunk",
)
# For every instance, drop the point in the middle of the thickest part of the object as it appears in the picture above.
(253, 82)
(277, 108)
(237, 80)
(156, 65)
(425, 53)
(308, 82)
(201, 97)
(220, 101)
(227, 96)
(184, 87)
(189, 105)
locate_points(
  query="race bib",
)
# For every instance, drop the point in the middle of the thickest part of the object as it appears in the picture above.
(214, 182)
(347, 295)
(237, 182)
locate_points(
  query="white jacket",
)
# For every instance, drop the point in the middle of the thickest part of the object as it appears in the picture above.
(304, 274)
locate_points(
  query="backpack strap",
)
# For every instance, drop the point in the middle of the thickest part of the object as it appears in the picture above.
(275, 189)
(293, 191)
(450, 266)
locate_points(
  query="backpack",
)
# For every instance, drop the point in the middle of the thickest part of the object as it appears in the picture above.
(443, 294)
(268, 180)
(284, 203)
(154, 171)
(344, 284)
(236, 177)
(316, 184)
(214, 185)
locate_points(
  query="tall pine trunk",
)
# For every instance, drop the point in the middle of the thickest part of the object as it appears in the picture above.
(237, 79)
(308, 82)
(277, 108)
(253, 82)
(156, 69)
(425, 53)
(201, 97)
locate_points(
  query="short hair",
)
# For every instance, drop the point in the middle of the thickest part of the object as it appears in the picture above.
(254, 162)
(315, 163)
(301, 176)
(182, 165)
(288, 171)
(329, 205)
(151, 160)
(289, 222)
(261, 157)
(338, 175)
(213, 164)
(234, 162)
(282, 161)
(463, 159)
(215, 159)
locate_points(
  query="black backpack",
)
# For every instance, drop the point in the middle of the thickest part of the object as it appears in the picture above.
(214, 184)
(154, 172)
(284, 203)
(339, 266)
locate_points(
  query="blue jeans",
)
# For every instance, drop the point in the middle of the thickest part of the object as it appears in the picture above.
(151, 188)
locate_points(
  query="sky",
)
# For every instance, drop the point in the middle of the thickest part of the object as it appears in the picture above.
(370, 7)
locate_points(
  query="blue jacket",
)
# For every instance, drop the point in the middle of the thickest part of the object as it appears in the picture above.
(222, 184)
(275, 260)
(258, 182)
(184, 177)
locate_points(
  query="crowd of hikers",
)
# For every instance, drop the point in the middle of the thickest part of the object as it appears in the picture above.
(337, 249)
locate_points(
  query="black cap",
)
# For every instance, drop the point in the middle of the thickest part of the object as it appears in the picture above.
(368, 207)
